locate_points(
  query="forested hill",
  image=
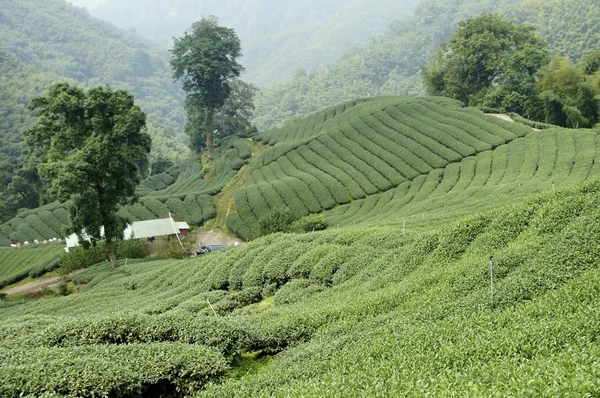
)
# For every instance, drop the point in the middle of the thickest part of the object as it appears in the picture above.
(44, 41)
(277, 36)
(392, 65)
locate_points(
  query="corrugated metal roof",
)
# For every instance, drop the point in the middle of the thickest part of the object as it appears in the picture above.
(181, 225)
(150, 228)
(142, 229)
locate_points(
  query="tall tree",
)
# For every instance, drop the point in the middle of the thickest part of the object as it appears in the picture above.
(233, 118)
(571, 93)
(205, 60)
(92, 143)
(485, 52)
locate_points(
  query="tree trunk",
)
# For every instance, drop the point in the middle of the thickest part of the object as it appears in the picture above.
(110, 250)
(210, 134)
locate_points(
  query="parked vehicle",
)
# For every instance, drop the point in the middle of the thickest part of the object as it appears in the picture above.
(209, 248)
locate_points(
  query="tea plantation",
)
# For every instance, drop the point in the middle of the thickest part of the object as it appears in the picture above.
(422, 197)
(359, 311)
(359, 149)
(28, 261)
(184, 191)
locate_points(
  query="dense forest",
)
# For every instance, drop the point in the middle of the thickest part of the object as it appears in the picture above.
(277, 37)
(391, 65)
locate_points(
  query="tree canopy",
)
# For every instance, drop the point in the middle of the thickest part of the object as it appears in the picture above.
(570, 94)
(233, 118)
(205, 59)
(92, 142)
(486, 53)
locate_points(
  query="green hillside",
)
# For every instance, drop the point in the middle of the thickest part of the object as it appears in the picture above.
(394, 299)
(532, 164)
(34, 260)
(391, 65)
(351, 312)
(43, 42)
(277, 38)
(362, 148)
(185, 191)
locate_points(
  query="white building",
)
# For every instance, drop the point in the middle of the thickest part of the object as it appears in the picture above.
(140, 230)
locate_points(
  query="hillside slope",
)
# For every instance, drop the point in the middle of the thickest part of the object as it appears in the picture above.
(359, 149)
(43, 42)
(277, 38)
(185, 191)
(392, 64)
(348, 312)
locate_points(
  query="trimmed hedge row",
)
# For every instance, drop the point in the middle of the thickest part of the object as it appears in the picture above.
(109, 370)
(372, 146)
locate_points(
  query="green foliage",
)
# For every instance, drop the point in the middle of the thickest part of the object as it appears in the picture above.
(356, 150)
(79, 257)
(297, 290)
(488, 56)
(172, 368)
(309, 34)
(570, 94)
(232, 119)
(278, 220)
(17, 264)
(205, 60)
(392, 64)
(366, 297)
(91, 136)
(311, 223)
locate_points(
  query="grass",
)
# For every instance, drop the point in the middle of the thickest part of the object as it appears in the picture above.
(224, 200)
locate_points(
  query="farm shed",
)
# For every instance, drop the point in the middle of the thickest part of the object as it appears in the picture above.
(143, 229)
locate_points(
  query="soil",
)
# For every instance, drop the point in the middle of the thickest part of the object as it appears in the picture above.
(33, 286)
(37, 286)
(501, 116)
(214, 237)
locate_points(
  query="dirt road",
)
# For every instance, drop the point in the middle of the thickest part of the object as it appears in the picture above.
(33, 286)
(214, 237)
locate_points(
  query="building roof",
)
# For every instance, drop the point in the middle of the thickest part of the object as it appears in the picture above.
(141, 229)
(150, 228)
(181, 225)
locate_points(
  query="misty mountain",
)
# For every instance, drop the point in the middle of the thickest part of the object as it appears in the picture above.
(277, 37)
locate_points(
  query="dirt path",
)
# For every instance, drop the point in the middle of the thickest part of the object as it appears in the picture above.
(224, 200)
(33, 286)
(37, 285)
(501, 116)
(214, 237)
(506, 117)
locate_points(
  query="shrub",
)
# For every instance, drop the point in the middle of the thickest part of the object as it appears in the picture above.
(313, 222)
(171, 248)
(297, 290)
(277, 220)
(78, 258)
(134, 248)
(109, 370)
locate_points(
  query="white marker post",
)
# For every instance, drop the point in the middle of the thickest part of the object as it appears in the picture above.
(211, 307)
(492, 281)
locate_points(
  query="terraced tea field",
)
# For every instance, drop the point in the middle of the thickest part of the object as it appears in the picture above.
(16, 264)
(182, 191)
(427, 203)
(359, 311)
(541, 161)
(348, 153)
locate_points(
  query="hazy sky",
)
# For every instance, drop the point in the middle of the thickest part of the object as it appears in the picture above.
(90, 4)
